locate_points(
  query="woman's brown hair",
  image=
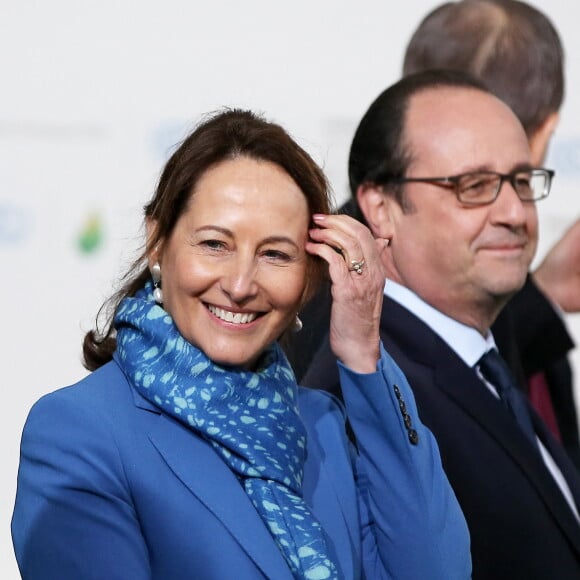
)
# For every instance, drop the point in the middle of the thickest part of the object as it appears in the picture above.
(221, 136)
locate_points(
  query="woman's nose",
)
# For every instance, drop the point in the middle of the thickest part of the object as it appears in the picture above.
(239, 281)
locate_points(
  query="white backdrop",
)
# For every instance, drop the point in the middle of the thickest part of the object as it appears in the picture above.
(95, 93)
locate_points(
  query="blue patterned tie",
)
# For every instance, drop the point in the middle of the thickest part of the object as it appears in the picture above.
(495, 370)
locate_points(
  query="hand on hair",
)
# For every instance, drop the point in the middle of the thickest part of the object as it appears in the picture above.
(358, 280)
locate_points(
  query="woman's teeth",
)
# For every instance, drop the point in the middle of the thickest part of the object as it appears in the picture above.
(236, 318)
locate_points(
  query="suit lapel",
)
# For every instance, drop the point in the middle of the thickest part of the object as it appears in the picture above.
(460, 383)
(217, 488)
(488, 413)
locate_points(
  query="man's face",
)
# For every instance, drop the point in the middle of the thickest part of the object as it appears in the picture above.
(464, 261)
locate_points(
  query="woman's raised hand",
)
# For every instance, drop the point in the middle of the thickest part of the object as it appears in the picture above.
(358, 280)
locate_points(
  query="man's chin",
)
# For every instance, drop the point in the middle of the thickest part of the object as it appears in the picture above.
(505, 287)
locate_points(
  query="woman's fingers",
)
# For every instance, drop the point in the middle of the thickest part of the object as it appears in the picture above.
(357, 276)
(350, 239)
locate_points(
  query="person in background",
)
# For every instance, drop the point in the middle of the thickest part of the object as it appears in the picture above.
(516, 51)
(442, 169)
(190, 451)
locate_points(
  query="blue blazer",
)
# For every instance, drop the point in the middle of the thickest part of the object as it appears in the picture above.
(110, 487)
(521, 527)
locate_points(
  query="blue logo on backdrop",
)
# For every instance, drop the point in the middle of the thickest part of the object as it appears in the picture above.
(564, 156)
(15, 224)
(168, 136)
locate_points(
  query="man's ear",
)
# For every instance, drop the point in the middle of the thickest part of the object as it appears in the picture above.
(540, 138)
(376, 208)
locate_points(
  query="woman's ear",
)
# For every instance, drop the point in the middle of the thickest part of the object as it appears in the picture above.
(376, 208)
(153, 248)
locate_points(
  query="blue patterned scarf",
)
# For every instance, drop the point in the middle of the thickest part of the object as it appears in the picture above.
(250, 418)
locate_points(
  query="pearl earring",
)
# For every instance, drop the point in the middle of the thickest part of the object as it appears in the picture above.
(156, 275)
(297, 326)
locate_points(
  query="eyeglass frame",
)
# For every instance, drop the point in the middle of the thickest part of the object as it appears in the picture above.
(452, 181)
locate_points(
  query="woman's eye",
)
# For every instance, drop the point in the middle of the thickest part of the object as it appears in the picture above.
(213, 244)
(276, 255)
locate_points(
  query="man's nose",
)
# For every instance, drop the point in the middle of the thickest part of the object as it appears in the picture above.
(508, 208)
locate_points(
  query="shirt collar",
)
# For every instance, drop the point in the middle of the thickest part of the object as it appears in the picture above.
(464, 340)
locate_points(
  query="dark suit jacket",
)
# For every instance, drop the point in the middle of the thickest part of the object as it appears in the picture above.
(532, 335)
(520, 524)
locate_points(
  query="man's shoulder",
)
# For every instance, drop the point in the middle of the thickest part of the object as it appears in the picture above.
(405, 335)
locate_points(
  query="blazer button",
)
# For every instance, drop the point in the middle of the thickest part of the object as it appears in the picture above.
(397, 391)
(407, 420)
(403, 407)
(413, 437)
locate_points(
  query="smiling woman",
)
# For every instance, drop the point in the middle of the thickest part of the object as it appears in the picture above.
(231, 282)
(190, 452)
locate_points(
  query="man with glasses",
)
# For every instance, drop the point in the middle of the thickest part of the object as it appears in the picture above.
(442, 169)
(517, 52)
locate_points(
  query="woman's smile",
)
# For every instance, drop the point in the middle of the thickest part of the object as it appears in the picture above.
(241, 318)
(233, 272)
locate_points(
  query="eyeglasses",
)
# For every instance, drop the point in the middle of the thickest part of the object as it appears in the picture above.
(483, 187)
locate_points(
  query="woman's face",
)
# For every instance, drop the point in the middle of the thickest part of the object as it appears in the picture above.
(233, 271)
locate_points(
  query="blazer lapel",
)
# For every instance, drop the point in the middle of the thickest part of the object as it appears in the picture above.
(459, 383)
(197, 465)
(328, 476)
(462, 385)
